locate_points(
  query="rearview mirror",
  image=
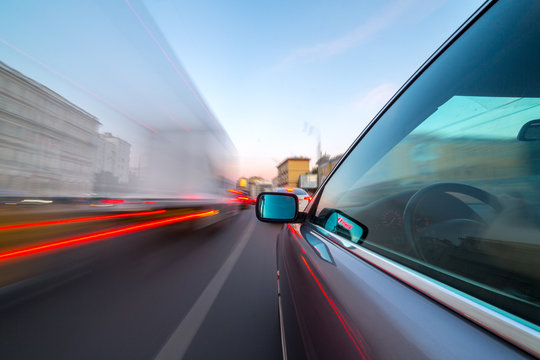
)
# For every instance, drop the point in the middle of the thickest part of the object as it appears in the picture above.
(276, 207)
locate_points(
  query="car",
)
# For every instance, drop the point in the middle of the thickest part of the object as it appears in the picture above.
(241, 197)
(303, 197)
(424, 241)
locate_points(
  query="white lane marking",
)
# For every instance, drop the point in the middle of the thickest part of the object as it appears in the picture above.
(178, 343)
(281, 328)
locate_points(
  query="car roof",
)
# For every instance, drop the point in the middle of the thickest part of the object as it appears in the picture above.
(291, 189)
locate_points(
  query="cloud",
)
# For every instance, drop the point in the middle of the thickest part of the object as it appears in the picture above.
(349, 120)
(363, 107)
(364, 32)
(369, 103)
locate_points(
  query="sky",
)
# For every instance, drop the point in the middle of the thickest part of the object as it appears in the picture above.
(280, 74)
(275, 76)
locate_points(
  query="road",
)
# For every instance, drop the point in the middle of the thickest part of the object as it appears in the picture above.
(156, 294)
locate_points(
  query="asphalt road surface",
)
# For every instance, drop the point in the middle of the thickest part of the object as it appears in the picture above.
(157, 294)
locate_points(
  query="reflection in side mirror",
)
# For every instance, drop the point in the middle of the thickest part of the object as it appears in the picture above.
(339, 223)
(276, 207)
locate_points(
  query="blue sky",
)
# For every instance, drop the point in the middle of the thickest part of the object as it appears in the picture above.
(272, 70)
(276, 75)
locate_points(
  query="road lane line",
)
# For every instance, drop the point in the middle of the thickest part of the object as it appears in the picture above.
(180, 340)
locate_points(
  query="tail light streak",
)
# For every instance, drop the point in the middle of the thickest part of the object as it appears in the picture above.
(103, 234)
(84, 219)
(112, 201)
(293, 231)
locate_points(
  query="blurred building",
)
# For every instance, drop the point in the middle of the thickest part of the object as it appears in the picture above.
(242, 184)
(308, 182)
(112, 156)
(427, 158)
(182, 164)
(252, 186)
(258, 185)
(254, 179)
(47, 144)
(500, 165)
(289, 171)
(325, 165)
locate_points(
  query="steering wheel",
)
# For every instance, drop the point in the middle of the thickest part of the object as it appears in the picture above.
(423, 194)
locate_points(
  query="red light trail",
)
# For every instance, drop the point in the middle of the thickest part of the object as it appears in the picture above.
(338, 313)
(112, 201)
(83, 219)
(235, 191)
(103, 235)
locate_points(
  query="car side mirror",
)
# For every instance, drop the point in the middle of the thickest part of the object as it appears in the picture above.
(276, 207)
(530, 131)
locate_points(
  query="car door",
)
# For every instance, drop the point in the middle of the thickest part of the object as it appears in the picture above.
(423, 243)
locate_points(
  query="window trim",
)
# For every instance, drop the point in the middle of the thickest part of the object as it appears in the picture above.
(524, 337)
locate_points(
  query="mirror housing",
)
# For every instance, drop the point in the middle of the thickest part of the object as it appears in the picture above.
(277, 207)
(530, 131)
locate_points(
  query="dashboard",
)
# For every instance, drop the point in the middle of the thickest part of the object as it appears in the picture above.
(384, 217)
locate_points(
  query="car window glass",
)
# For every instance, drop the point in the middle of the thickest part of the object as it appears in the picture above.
(444, 183)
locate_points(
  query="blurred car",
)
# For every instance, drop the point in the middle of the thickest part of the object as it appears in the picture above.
(241, 197)
(303, 197)
(244, 201)
(423, 242)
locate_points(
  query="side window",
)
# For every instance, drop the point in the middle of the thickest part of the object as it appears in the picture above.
(447, 181)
